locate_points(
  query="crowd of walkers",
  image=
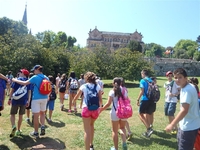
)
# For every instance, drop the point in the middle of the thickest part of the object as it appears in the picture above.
(24, 94)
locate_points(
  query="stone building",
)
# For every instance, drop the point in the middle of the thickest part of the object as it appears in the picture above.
(112, 40)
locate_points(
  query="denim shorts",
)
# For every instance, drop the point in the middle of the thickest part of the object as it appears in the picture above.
(50, 104)
(170, 109)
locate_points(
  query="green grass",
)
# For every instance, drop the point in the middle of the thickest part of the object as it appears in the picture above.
(66, 131)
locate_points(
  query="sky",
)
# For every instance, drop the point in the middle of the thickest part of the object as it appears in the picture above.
(163, 22)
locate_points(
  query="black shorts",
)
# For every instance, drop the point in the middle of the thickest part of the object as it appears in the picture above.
(147, 107)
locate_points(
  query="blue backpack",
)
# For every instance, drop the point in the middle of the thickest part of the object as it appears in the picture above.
(92, 99)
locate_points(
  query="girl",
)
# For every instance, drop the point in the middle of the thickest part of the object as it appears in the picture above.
(62, 89)
(114, 94)
(89, 116)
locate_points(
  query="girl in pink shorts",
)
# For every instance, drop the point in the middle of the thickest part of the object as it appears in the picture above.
(89, 116)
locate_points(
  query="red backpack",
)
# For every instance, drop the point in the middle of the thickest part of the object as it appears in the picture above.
(197, 142)
(124, 108)
(45, 87)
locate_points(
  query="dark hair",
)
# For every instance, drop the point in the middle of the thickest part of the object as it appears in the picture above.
(9, 72)
(50, 78)
(90, 77)
(116, 86)
(58, 74)
(122, 82)
(180, 71)
(145, 72)
(82, 76)
(72, 74)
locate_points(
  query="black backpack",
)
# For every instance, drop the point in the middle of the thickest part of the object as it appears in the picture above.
(62, 86)
(53, 95)
(153, 92)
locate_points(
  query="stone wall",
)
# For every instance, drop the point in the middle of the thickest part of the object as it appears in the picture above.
(162, 65)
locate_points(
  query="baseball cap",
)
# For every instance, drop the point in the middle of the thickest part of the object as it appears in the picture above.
(168, 72)
(36, 67)
(25, 72)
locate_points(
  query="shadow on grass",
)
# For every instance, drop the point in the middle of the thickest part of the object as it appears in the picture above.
(56, 123)
(28, 143)
(158, 137)
(4, 147)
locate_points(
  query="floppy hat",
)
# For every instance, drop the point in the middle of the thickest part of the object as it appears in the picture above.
(25, 72)
(168, 72)
(36, 67)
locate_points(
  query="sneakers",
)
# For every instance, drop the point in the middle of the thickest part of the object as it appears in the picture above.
(129, 136)
(112, 148)
(145, 134)
(42, 130)
(91, 147)
(34, 134)
(13, 131)
(18, 133)
(124, 146)
(174, 132)
(149, 132)
(27, 120)
(69, 111)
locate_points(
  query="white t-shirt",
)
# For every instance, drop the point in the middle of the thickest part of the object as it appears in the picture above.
(84, 89)
(100, 83)
(57, 80)
(169, 88)
(191, 121)
(81, 81)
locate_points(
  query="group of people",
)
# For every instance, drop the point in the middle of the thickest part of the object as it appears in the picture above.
(25, 92)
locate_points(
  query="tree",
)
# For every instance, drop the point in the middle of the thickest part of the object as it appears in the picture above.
(153, 49)
(135, 46)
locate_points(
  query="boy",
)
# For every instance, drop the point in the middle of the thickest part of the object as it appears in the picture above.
(189, 115)
(51, 99)
(171, 93)
(19, 95)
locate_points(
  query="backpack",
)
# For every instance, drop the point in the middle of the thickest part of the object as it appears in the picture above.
(124, 108)
(92, 99)
(153, 92)
(73, 84)
(45, 87)
(20, 92)
(53, 95)
(62, 86)
(197, 141)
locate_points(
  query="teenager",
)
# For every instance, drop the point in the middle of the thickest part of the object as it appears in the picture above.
(18, 99)
(89, 116)
(189, 114)
(171, 93)
(117, 123)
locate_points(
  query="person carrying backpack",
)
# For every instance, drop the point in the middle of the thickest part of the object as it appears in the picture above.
(72, 86)
(117, 122)
(145, 104)
(39, 100)
(62, 84)
(90, 108)
(51, 99)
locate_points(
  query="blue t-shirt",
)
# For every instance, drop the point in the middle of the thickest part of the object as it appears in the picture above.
(36, 80)
(23, 100)
(2, 90)
(144, 85)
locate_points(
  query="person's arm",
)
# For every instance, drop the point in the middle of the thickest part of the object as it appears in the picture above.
(21, 82)
(183, 112)
(10, 95)
(3, 77)
(77, 96)
(139, 96)
(29, 98)
(100, 98)
(4, 95)
(107, 104)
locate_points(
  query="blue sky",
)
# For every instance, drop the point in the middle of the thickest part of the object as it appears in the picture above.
(164, 22)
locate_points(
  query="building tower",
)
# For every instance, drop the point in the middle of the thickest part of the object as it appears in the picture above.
(24, 19)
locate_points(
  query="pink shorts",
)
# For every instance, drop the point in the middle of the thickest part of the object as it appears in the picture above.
(88, 113)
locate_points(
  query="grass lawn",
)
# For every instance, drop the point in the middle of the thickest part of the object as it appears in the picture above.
(66, 130)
